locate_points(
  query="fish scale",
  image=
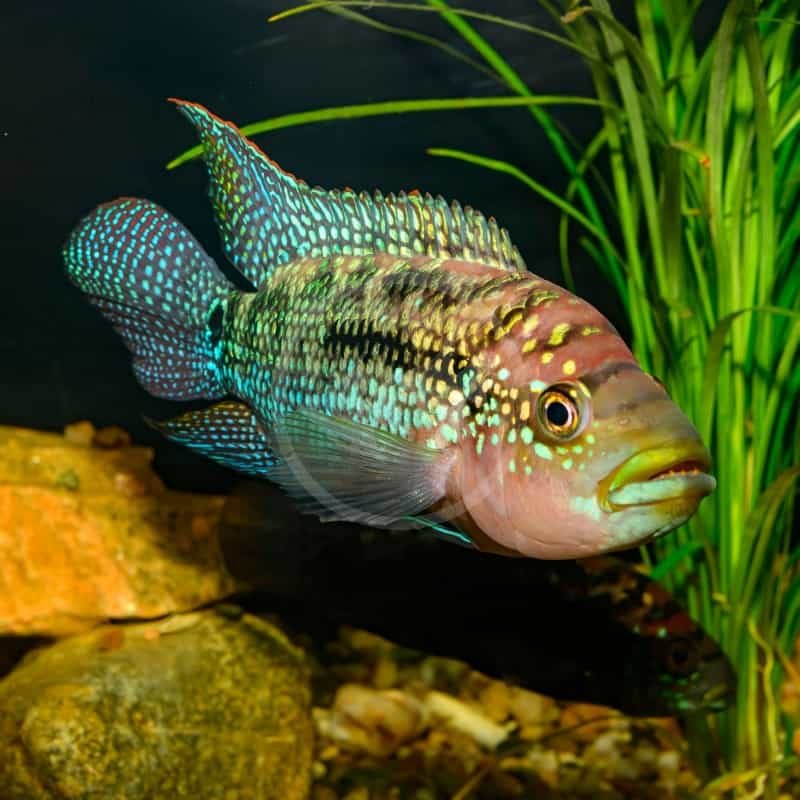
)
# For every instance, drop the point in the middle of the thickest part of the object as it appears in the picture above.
(394, 365)
(294, 330)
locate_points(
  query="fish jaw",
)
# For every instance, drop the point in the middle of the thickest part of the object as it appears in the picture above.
(665, 482)
(659, 474)
(655, 467)
(654, 491)
(539, 516)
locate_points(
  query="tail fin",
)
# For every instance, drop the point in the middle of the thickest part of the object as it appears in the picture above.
(157, 286)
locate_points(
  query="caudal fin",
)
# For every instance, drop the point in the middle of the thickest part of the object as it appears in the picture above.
(158, 288)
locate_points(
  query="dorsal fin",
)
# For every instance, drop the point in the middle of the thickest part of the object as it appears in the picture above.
(267, 216)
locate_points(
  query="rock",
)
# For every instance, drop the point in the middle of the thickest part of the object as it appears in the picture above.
(588, 720)
(88, 532)
(13, 648)
(71, 461)
(371, 720)
(198, 706)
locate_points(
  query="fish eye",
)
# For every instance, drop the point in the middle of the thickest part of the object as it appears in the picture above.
(560, 412)
(681, 656)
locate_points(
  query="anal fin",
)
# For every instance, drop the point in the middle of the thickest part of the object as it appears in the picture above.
(228, 432)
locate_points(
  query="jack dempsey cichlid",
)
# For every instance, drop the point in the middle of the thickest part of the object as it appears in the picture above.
(394, 365)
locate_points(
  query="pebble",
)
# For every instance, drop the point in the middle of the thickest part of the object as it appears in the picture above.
(496, 701)
(80, 433)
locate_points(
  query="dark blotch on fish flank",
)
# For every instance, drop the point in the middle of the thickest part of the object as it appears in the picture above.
(365, 342)
(271, 305)
(491, 289)
(471, 401)
(399, 285)
(215, 323)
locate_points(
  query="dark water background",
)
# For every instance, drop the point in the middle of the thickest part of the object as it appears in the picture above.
(83, 119)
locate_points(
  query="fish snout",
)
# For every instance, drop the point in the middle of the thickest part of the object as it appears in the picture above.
(667, 464)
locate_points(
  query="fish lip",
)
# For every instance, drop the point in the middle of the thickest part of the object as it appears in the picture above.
(659, 474)
(720, 695)
(718, 698)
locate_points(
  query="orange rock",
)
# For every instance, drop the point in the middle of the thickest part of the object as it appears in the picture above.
(80, 433)
(111, 436)
(34, 458)
(80, 544)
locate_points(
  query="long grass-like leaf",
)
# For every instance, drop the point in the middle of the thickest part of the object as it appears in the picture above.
(714, 357)
(493, 19)
(509, 169)
(668, 564)
(362, 110)
(416, 36)
(548, 125)
(632, 105)
(762, 519)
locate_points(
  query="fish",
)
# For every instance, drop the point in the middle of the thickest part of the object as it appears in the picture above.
(599, 630)
(393, 363)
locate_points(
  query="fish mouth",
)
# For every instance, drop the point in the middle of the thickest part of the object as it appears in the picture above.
(659, 475)
(718, 698)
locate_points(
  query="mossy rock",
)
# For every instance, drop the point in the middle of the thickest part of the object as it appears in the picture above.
(199, 706)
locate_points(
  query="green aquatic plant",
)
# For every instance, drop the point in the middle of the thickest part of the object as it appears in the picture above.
(688, 201)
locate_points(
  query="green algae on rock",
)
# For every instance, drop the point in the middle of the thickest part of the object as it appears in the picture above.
(195, 706)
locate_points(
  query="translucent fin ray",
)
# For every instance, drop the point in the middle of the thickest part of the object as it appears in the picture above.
(341, 470)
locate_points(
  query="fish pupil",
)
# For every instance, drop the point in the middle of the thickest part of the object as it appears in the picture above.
(557, 413)
(680, 656)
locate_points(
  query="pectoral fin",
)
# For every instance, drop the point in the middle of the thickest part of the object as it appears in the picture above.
(345, 471)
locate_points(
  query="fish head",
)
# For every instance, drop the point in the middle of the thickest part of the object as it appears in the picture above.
(671, 665)
(660, 675)
(588, 454)
(691, 674)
